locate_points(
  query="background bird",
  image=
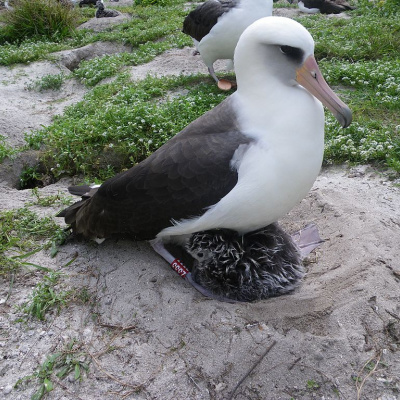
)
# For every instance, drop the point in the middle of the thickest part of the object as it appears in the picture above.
(8, 6)
(101, 12)
(87, 3)
(324, 6)
(216, 26)
(241, 166)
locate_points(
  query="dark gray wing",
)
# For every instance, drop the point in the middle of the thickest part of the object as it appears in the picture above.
(200, 21)
(187, 174)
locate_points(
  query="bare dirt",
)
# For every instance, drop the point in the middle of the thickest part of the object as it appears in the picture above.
(149, 335)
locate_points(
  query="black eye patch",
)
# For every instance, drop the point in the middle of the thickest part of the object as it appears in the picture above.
(293, 53)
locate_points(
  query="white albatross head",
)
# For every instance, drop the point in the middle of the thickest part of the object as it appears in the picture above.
(280, 51)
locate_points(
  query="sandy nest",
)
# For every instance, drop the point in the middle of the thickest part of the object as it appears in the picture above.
(150, 335)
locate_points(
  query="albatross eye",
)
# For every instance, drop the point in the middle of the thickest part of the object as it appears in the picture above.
(294, 53)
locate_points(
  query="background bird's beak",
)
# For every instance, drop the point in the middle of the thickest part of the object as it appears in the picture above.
(309, 76)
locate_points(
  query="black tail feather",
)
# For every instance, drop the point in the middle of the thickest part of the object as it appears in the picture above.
(69, 213)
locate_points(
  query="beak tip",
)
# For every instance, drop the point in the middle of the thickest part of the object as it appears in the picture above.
(345, 117)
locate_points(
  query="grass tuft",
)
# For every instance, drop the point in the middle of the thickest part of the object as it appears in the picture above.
(367, 35)
(47, 82)
(70, 360)
(45, 297)
(39, 18)
(23, 233)
(5, 149)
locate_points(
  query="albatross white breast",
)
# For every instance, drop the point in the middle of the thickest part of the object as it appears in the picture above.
(242, 165)
(216, 26)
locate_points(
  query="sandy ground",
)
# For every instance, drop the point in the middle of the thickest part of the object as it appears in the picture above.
(150, 335)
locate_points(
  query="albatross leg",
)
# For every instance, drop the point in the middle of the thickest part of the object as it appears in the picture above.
(307, 239)
(178, 267)
(223, 84)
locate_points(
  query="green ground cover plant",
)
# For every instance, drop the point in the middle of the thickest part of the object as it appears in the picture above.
(369, 34)
(122, 123)
(373, 87)
(45, 297)
(39, 18)
(148, 24)
(91, 72)
(5, 149)
(47, 82)
(22, 234)
(69, 360)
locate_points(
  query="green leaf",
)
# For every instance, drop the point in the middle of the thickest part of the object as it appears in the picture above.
(63, 372)
(77, 372)
(37, 266)
(85, 366)
(48, 385)
(71, 344)
(26, 255)
(54, 250)
(39, 394)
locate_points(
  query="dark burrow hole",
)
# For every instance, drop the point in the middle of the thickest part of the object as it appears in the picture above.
(25, 171)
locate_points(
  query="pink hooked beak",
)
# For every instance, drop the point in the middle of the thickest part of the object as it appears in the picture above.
(309, 76)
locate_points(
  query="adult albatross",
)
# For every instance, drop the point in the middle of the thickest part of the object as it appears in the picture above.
(324, 6)
(241, 166)
(216, 25)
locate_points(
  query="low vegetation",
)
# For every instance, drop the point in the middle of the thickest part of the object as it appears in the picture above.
(122, 123)
(22, 234)
(47, 82)
(57, 366)
(38, 19)
(45, 297)
(148, 25)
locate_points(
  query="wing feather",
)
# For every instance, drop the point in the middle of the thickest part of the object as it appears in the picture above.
(180, 180)
(200, 21)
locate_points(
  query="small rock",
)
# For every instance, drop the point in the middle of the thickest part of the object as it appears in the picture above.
(24, 348)
(7, 389)
(318, 356)
(87, 334)
(62, 325)
(219, 387)
(357, 172)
